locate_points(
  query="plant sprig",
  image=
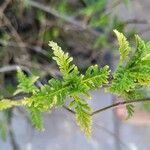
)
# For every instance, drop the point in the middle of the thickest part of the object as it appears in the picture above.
(131, 75)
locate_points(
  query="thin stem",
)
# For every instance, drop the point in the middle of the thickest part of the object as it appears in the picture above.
(112, 105)
(68, 109)
(37, 49)
(120, 104)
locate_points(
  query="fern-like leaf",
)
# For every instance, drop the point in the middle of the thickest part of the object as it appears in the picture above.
(26, 84)
(140, 51)
(36, 118)
(122, 82)
(83, 115)
(50, 95)
(124, 47)
(95, 78)
(129, 77)
(63, 60)
(130, 110)
(5, 103)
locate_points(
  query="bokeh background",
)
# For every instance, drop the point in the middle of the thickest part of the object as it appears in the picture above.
(84, 28)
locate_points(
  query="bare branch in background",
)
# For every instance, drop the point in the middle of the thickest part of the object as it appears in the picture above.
(82, 25)
(136, 21)
(4, 5)
(13, 30)
(37, 49)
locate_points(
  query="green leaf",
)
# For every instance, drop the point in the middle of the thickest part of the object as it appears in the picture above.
(140, 51)
(124, 47)
(63, 60)
(133, 75)
(146, 58)
(141, 74)
(130, 110)
(95, 78)
(131, 95)
(83, 116)
(36, 118)
(26, 84)
(130, 76)
(122, 82)
(50, 95)
(5, 103)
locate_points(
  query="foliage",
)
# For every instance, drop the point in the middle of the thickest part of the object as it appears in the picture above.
(53, 94)
(124, 46)
(130, 76)
(132, 72)
(83, 116)
(25, 84)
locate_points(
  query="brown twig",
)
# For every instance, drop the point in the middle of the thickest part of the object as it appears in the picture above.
(120, 104)
(13, 31)
(4, 5)
(69, 19)
(113, 105)
(34, 48)
(136, 21)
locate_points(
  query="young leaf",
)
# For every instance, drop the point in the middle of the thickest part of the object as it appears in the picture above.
(63, 60)
(130, 110)
(130, 77)
(95, 78)
(26, 84)
(50, 95)
(36, 118)
(83, 116)
(124, 47)
(140, 51)
(122, 82)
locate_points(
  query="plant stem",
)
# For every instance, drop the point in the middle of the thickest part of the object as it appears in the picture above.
(112, 105)
(121, 103)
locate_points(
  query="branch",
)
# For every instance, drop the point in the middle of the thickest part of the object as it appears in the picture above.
(136, 21)
(68, 109)
(120, 104)
(112, 105)
(68, 19)
(37, 49)
(11, 27)
(4, 5)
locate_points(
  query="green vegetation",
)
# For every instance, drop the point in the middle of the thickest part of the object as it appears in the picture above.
(131, 75)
